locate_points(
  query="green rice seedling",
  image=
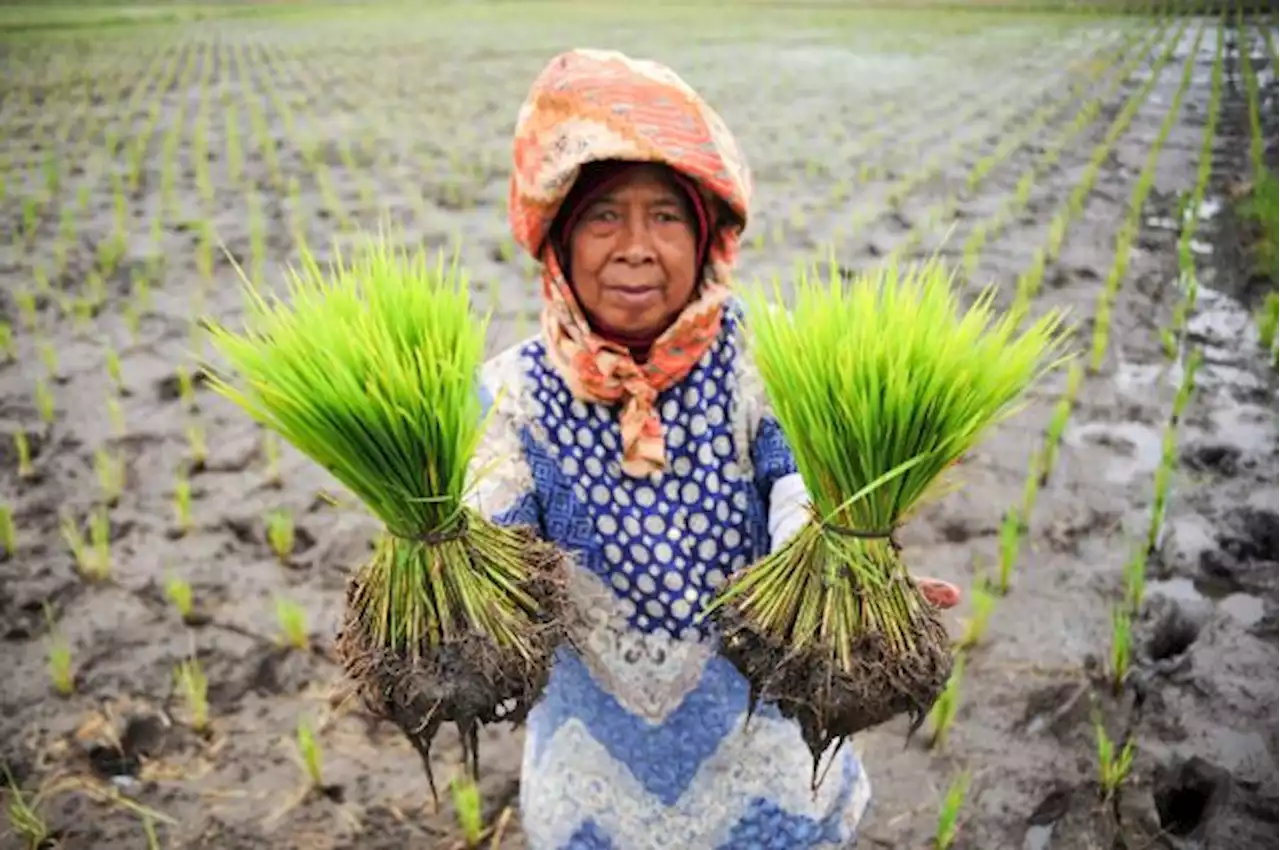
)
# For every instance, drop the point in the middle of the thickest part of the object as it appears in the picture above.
(204, 250)
(1031, 488)
(8, 345)
(293, 624)
(182, 504)
(280, 533)
(1135, 581)
(374, 357)
(982, 602)
(110, 470)
(944, 710)
(22, 447)
(1113, 766)
(140, 290)
(186, 388)
(310, 754)
(149, 831)
(61, 671)
(1188, 384)
(194, 687)
(197, 445)
(257, 238)
(231, 131)
(48, 357)
(949, 815)
(100, 545)
(132, 320)
(25, 820)
(1268, 321)
(8, 532)
(1101, 333)
(271, 452)
(178, 591)
(26, 301)
(44, 402)
(829, 628)
(465, 794)
(1011, 532)
(1121, 646)
(30, 217)
(114, 372)
(115, 415)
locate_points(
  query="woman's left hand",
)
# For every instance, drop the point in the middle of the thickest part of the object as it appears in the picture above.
(940, 593)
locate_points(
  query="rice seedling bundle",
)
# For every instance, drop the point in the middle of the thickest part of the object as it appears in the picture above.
(881, 384)
(368, 366)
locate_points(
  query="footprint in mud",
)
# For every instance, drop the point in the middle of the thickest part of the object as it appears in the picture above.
(1226, 461)
(1189, 795)
(1247, 551)
(169, 388)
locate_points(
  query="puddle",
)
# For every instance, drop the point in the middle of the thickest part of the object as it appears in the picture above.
(1241, 607)
(1037, 837)
(1135, 448)
(1209, 208)
(1140, 376)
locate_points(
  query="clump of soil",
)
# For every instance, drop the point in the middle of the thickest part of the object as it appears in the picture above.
(467, 679)
(829, 701)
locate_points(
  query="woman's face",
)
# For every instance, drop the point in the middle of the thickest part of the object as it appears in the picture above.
(632, 255)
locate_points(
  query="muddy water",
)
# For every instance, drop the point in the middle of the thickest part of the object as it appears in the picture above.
(815, 99)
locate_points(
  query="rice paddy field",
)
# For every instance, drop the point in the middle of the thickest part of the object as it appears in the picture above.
(172, 578)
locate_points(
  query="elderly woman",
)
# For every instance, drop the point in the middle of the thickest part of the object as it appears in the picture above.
(634, 433)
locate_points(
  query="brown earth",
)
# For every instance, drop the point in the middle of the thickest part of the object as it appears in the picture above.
(812, 106)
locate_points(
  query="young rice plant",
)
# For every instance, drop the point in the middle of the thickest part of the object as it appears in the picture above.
(368, 366)
(882, 385)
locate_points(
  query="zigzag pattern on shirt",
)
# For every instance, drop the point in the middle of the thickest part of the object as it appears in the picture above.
(734, 791)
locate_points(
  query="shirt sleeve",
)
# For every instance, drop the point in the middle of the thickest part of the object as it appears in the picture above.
(502, 484)
(779, 482)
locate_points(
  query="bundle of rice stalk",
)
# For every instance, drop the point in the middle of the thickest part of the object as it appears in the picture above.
(369, 367)
(880, 385)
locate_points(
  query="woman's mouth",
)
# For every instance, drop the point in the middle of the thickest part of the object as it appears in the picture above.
(634, 295)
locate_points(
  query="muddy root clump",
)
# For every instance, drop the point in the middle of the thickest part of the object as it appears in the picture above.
(468, 679)
(832, 703)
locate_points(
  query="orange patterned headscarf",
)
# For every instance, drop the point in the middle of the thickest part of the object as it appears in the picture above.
(594, 105)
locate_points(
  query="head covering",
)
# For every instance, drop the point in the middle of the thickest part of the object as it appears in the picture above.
(590, 106)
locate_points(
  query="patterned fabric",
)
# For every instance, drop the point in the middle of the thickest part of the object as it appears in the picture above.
(588, 106)
(641, 740)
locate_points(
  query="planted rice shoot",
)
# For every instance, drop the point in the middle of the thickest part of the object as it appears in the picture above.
(61, 672)
(293, 624)
(1114, 764)
(24, 818)
(949, 814)
(465, 796)
(944, 710)
(369, 367)
(22, 447)
(309, 753)
(178, 591)
(194, 687)
(182, 504)
(881, 385)
(280, 533)
(8, 532)
(982, 601)
(110, 470)
(1121, 646)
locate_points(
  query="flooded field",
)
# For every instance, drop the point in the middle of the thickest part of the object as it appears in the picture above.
(1128, 513)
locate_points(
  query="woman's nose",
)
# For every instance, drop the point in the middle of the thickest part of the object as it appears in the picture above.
(637, 239)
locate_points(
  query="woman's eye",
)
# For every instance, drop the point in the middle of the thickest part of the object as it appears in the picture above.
(603, 215)
(668, 217)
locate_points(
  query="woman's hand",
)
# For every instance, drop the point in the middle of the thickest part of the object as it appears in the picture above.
(940, 593)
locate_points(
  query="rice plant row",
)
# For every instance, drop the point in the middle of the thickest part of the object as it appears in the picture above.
(1132, 223)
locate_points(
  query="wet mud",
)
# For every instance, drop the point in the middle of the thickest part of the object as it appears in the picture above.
(413, 127)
